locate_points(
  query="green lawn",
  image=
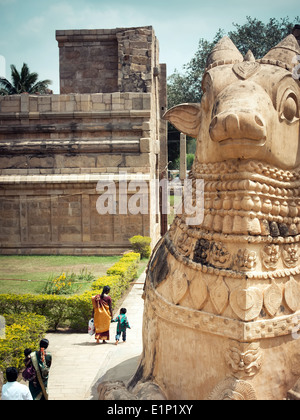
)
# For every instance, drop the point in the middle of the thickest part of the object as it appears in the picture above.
(28, 274)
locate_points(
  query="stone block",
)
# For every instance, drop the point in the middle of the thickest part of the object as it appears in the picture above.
(97, 106)
(97, 98)
(11, 105)
(145, 145)
(142, 159)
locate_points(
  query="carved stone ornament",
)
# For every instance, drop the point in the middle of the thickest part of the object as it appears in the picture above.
(292, 294)
(244, 359)
(179, 287)
(272, 299)
(246, 260)
(246, 303)
(270, 256)
(185, 244)
(232, 389)
(198, 292)
(290, 255)
(219, 295)
(246, 69)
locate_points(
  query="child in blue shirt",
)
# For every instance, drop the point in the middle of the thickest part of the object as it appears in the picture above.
(122, 326)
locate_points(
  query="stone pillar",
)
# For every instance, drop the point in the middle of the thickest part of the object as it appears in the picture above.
(182, 174)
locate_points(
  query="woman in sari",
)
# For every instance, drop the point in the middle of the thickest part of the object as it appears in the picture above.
(41, 361)
(102, 314)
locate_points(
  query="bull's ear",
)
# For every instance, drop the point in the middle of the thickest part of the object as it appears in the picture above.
(186, 118)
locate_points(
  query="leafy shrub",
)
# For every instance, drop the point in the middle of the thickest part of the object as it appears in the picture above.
(73, 311)
(61, 285)
(51, 306)
(22, 331)
(141, 244)
(67, 284)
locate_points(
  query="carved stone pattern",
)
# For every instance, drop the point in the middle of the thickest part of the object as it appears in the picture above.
(246, 303)
(199, 293)
(272, 299)
(292, 294)
(290, 255)
(245, 260)
(179, 286)
(232, 389)
(215, 254)
(199, 262)
(185, 244)
(270, 256)
(244, 359)
(216, 324)
(219, 295)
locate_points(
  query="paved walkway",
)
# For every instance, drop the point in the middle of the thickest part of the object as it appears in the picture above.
(78, 363)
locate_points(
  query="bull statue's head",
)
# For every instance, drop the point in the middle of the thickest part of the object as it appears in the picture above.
(249, 109)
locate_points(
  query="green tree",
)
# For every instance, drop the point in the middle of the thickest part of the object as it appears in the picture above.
(23, 81)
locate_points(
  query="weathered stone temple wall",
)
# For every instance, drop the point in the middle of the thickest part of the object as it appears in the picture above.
(55, 148)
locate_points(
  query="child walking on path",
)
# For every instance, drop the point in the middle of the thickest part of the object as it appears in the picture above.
(122, 326)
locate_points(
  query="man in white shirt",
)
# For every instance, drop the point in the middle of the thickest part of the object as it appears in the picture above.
(13, 390)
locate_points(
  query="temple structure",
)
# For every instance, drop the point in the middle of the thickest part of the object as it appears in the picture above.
(54, 149)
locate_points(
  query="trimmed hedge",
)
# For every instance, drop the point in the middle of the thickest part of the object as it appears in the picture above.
(141, 244)
(73, 311)
(22, 331)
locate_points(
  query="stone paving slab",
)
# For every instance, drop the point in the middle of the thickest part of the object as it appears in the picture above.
(78, 363)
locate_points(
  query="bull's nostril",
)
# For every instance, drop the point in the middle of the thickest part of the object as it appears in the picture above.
(259, 121)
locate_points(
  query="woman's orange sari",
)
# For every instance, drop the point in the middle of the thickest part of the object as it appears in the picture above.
(102, 316)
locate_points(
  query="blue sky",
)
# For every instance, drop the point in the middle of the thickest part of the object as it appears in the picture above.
(27, 27)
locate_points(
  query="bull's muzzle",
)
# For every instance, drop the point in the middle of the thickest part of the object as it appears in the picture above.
(240, 125)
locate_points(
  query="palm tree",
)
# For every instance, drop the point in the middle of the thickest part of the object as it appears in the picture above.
(23, 82)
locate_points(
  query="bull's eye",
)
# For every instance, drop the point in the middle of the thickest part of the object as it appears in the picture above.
(290, 109)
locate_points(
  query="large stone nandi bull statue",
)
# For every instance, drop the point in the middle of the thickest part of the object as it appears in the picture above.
(222, 299)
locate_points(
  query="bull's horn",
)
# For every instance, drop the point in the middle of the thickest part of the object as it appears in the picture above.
(284, 52)
(224, 52)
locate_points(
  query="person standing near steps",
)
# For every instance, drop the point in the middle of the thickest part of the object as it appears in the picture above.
(102, 314)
